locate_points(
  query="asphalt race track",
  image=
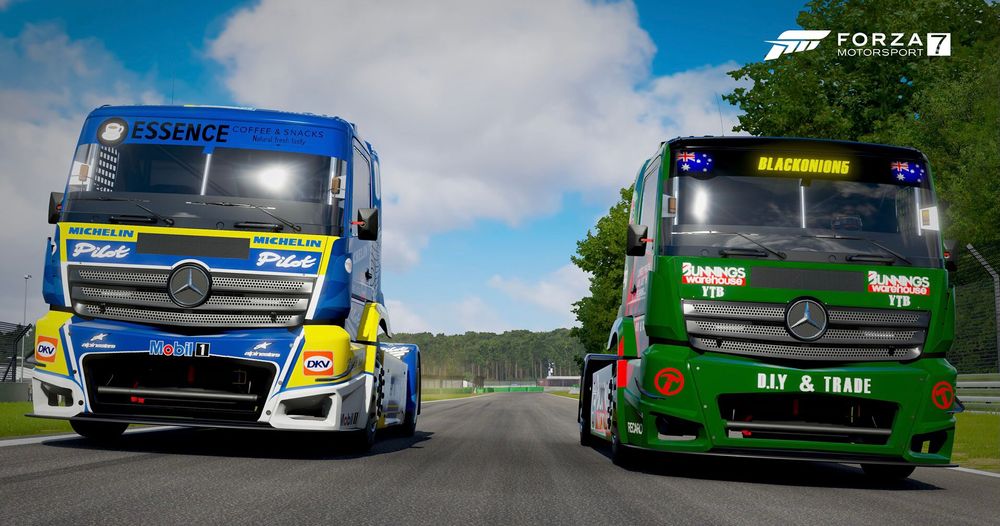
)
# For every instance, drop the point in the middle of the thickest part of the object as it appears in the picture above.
(497, 459)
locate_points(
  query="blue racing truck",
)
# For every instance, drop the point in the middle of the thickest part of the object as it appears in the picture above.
(220, 267)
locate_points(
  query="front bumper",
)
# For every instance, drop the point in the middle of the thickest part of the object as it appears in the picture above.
(736, 406)
(310, 378)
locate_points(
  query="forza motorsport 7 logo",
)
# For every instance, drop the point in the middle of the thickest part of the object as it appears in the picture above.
(863, 44)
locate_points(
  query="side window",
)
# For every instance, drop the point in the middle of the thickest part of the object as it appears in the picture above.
(648, 216)
(361, 196)
(378, 180)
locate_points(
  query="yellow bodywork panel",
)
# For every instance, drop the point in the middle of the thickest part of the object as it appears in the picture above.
(49, 352)
(368, 333)
(326, 353)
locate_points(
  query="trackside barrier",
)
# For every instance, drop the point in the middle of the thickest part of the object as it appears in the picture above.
(979, 392)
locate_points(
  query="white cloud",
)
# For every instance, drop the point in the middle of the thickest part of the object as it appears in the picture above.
(404, 319)
(555, 292)
(474, 314)
(470, 313)
(49, 84)
(480, 110)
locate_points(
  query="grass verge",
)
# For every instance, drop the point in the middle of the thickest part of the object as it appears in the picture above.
(567, 394)
(977, 441)
(13, 423)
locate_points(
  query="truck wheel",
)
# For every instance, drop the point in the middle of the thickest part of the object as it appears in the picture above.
(98, 431)
(586, 438)
(621, 454)
(362, 441)
(409, 427)
(887, 472)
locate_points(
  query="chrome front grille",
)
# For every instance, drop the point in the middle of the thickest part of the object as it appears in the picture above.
(237, 300)
(758, 329)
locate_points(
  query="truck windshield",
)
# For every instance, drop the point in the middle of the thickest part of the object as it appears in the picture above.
(884, 212)
(168, 179)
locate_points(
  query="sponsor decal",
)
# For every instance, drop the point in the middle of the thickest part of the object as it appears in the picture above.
(97, 342)
(830, 383)
(46, 349)
(260, 351)
(82, 248)
(180, 131)
(261, 354)
(943, 395)
(634, 428)
(287, 241)
(713, 275)
(894, 284)
(112, 132)
(101, 232)
(202, 350)
(289, 261)
(176, 348)
(397, 350)
(317, 363)
(669, 381)
(349, 419)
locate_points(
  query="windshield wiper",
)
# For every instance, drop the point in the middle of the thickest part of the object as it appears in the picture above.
(741, 251)
(284, 221)
(781, 255)
(137, 202)
(871, 257)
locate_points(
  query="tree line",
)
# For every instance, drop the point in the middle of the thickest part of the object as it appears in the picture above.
(511, 356)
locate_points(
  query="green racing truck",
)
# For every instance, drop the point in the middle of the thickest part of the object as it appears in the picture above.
(783, 299)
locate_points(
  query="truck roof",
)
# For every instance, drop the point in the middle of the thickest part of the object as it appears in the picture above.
(792, 143)
(232, 113)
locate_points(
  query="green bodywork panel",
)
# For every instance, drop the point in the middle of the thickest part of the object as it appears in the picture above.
(708, 375)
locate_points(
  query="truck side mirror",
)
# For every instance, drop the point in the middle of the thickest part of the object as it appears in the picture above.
(367, 224)
(55, 207)
(637, 238)
(951, 255)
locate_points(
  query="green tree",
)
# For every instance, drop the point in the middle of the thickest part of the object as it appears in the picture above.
(602, 254)
(944, 106)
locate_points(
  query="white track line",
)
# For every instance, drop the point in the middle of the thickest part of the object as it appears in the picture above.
(977, 472)
(73, 436)
(564, 397)
(453, 399)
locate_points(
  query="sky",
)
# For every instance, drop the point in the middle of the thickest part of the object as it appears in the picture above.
(505, 128)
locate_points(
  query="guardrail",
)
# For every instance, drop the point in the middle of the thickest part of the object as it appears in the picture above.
(10, 350)
(514, 389)
(979, 392)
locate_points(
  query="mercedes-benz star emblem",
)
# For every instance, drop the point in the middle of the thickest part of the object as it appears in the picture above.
(189, 286)
(806, 320)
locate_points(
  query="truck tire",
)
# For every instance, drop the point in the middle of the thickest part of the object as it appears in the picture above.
(98, 431)
(887, 472)
(586, 438)
(363, 440)
(409, 427)
(622, 455)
